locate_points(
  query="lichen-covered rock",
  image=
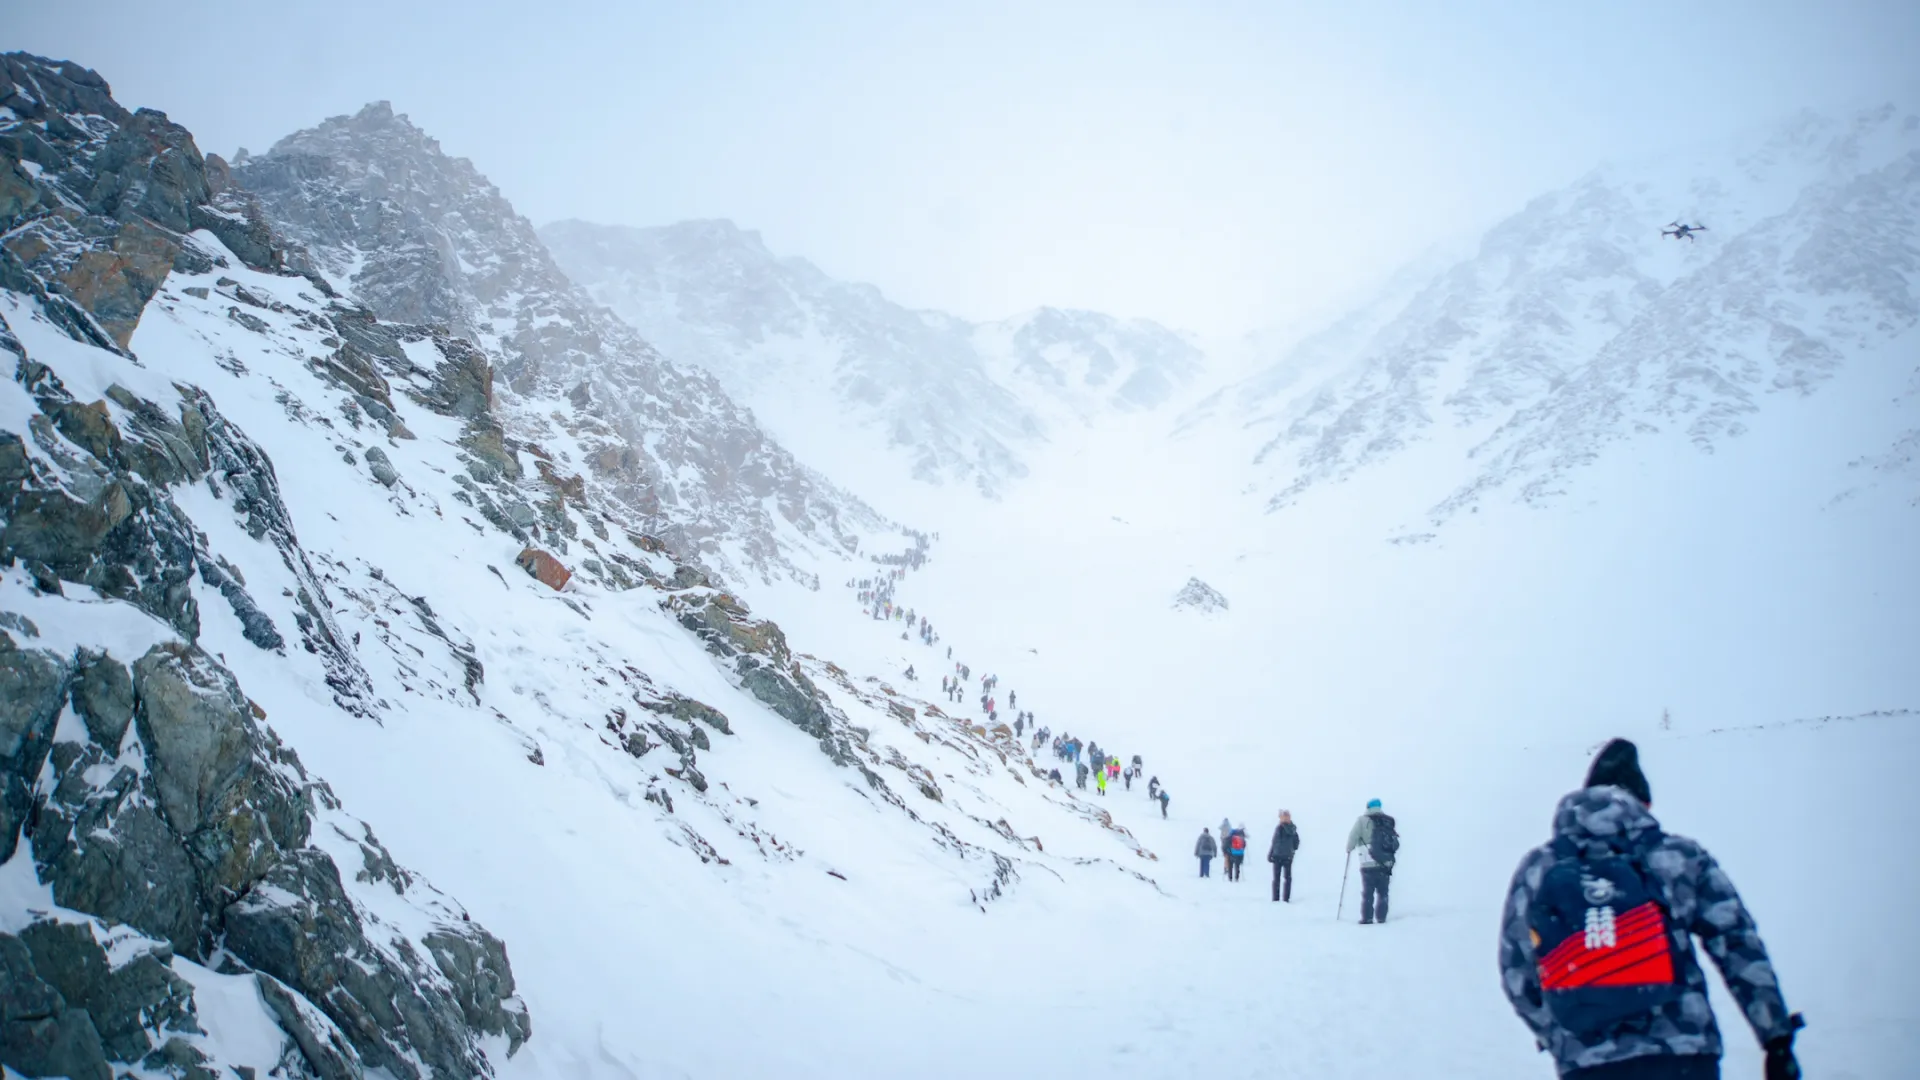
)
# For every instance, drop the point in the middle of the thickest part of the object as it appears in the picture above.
(194, 722)
(212, 777)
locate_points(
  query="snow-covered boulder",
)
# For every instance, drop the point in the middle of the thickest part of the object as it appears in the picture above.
(1197, 595)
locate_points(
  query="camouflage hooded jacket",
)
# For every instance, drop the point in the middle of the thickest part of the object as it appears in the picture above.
(1699, 899)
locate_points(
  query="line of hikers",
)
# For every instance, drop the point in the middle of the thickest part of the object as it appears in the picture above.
(1280, 852)
(1597, 936)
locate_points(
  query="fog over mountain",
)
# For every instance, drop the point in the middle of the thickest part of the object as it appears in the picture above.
(434, 647)
(952, 401)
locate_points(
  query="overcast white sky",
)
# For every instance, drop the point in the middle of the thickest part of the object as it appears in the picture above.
(1218, 166)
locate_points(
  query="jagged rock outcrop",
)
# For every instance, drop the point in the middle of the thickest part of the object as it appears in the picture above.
(194, 831)
(95, 200)
(168, 823)
(757, 652)
(420, 237)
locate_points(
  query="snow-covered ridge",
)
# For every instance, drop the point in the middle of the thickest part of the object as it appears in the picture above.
(373, 203)
(942, 399)
(264, 537)
(1577, 326)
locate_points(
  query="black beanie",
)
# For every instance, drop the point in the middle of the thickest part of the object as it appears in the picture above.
(1618, 764)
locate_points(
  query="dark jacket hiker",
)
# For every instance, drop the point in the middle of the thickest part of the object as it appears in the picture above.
(1596, 946)
(1286, 841)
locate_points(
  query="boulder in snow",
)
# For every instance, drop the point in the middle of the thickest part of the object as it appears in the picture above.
(545, 567)
(1197, 595)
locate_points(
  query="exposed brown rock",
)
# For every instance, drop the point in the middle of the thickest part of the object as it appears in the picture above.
(544, 567)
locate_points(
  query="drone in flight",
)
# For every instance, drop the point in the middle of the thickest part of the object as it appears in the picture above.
(1681, 232)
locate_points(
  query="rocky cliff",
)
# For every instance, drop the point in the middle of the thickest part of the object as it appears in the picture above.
(247, 524)
(372, 203)
(176, 844)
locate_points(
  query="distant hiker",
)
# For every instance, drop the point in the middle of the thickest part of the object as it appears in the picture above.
(1054, 776)
(1164, 799)
(1019, 726)
(1205, 848)
(1153, 788)
(1080, 775)
(1236, 852)
(1136, 764)
(1013, 698)
(1129, 777)
(1378, 840)
(1596, 942)
(1225, 828)
(1100, 782)
(1286, 841)
(910, 674)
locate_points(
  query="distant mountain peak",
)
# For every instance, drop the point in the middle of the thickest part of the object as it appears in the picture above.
(423, 237)
(914, 393)
(1577, 325)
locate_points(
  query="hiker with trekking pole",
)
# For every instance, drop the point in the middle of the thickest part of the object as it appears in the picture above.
(1379, 841)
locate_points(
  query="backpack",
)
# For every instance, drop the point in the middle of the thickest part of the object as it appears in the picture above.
(1237, 843)
(1602, 941)
(1385, 842)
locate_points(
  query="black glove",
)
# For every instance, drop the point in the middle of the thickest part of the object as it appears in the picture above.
(1781, 1064)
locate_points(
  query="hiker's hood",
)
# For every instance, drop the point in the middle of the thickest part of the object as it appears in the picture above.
(1603, 817)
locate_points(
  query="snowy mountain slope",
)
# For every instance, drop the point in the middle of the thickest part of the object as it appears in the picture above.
(1576, 326)
(299, 526)
(937, 398)
(715, 846)
(1466, 682)
(373, 203)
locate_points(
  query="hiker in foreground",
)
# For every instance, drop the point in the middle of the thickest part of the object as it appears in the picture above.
(1205, 848)
(1164, 799)
(1596, 943)
(1286, 841)
(1377, 840)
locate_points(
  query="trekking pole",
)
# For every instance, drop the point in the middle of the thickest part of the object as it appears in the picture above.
(1343, 888)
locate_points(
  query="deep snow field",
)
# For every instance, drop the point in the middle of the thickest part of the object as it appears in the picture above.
(1464, 680)
(1764, 598)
